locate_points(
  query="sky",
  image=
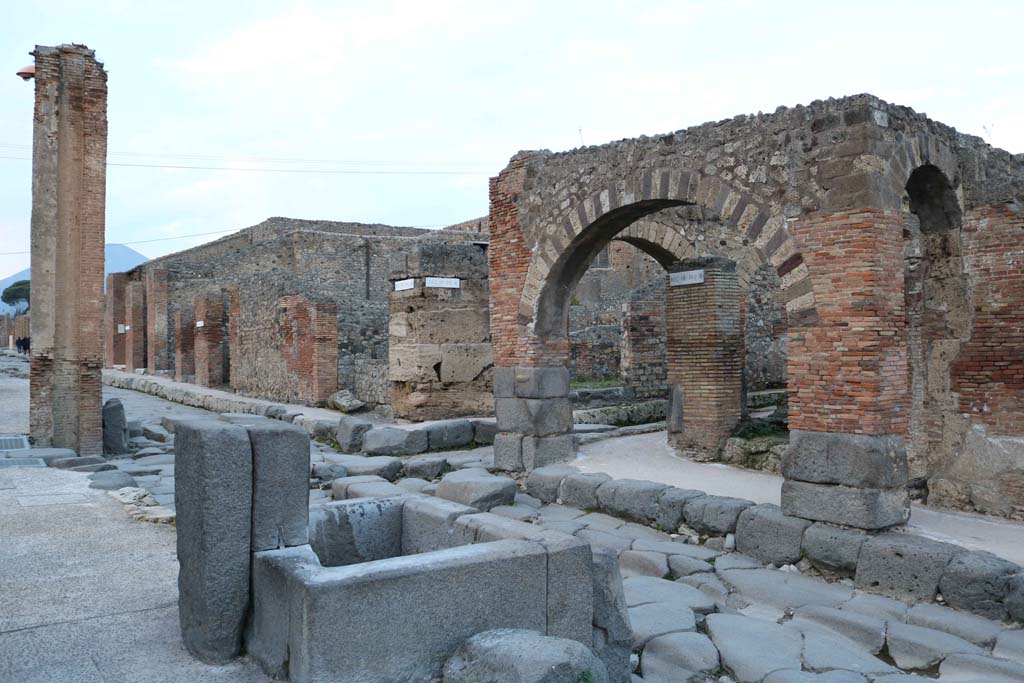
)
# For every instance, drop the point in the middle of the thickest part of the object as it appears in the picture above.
(398, 112)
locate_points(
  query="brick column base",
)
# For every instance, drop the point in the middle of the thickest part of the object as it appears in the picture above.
(534, 418)
(705, 356)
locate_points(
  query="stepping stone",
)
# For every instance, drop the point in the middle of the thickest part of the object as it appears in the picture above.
(643, 563)
(916, 647)
(752, 649)
(677, 656)
(784, 589)
(657, 619)
(111, 481)
(640, 590)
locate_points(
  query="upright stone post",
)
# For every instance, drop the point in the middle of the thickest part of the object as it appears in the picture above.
(705, 355)
(114, 321)
(69, 151)
(534, 417)
(157, 320)
(135, 326)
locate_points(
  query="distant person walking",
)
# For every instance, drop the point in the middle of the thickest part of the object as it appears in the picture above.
(20, 344)
(27, 344)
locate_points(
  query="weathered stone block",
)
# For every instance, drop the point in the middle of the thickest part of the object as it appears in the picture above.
(978, 582)
(903, 566)
(477, 488)
(534, 417)
(350, 432)
(280, 485)
(714, 515)
(516, 656)
(395, 441)
(213, 499)
(508, 451)
(340, 486)
(580, 490)
(350, 532)
(671, 503)
(448, 434)
(540, 451)
(855, 460)
(484, 430)
(543, 482)
(831, 548)
(428, 524)
(115, 427)
(465, 362)
(764, 533)
(613, 635)
(526, 382)
(861, 508)
(386, 466)
(633, 498)
(426, 467)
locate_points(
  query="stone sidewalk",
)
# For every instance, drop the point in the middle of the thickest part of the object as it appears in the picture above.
(88, 595)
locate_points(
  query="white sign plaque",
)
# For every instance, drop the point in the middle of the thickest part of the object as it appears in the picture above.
(444, 282)
(402, 285)
(200, 323)
(127, 327)
(686, 277)
(121, 327)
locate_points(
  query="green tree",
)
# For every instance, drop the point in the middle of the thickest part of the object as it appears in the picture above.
(17, 294)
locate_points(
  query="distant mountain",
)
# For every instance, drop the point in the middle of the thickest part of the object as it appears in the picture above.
(119, 258)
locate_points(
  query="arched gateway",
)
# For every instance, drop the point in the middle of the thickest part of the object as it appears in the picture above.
(818, 193)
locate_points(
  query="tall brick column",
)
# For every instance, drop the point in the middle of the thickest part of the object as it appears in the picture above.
(113, 321)
(158, 357)
(848, 405)
(184, 341)
(69, 150)
(135, 326)
(210, 340)
(704, 329)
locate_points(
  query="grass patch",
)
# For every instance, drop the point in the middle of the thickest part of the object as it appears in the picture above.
(595, 383)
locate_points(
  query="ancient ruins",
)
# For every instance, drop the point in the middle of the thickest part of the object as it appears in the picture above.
(379, 445)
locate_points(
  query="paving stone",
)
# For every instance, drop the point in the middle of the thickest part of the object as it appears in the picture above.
(524, 657)
(868, 631)
(102, 467)
(708, 583)
(980, 669)
(635, 531)
(522, 513)
(640, 590)
(350, 433)
(784, 589)
(916, 647)
(683, 565)
(580, 490)
(604, 540)
(543, 482)
(834, 549)
(752, 649)
(328, 471)
(375, 489)
(476, 488)
(978, 582)
(340, 486)
(115, 427)
(763, 532)
(714, 515)
(570, 528)
(445, 434)
(1010, 645)
(599, 519)
(736, 561)
(145, 452)
(654, 619)
(825, 650)
(50, 455)
(135, 428)
(875, 605)
(559, 513)
(677, 656)
(1015, 598)
(977, 630)
(68, 463)
(111, 480)
(384, 466)
(214, 524)
(155, 459)
(698, 552)
(669, 514)
(394, 441)
(903, 565)
(426, 467)
(790, 676)
(526, 499)
(632, 498)
(508, 451)
(904, 678)
(643, 563)
(412, 484)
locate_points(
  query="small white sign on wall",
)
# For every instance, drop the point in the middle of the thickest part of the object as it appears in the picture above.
(127, 327)
(686, 277)
(200, 323)
(444, 282)
(121, 327)
(402, 285)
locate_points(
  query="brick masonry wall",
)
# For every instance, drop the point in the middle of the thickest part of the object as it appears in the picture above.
(644, 365)
(114, 320)
(184, 324)
(210, 345)
(158, 358)
(595, 351)
(68, 205)
(135, 326)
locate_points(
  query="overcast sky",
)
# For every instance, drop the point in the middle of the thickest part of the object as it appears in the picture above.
(433, 97)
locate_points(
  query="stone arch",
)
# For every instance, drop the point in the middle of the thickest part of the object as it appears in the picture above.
(567, 242)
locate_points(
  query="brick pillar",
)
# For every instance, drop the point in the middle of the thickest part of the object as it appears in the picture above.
(210, 342)
(158, 357)
(704, 329)
(643, 362)
(135, 326)
(847, 373)
(184, 341)
(309, 344)
(114, 321)
(68, 197)
(231, 294)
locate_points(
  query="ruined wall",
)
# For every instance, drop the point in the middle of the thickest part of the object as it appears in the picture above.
(643, 355)
(210, 348)
(594, 352)
(114, 320)
(440, 358)
(69, 149)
